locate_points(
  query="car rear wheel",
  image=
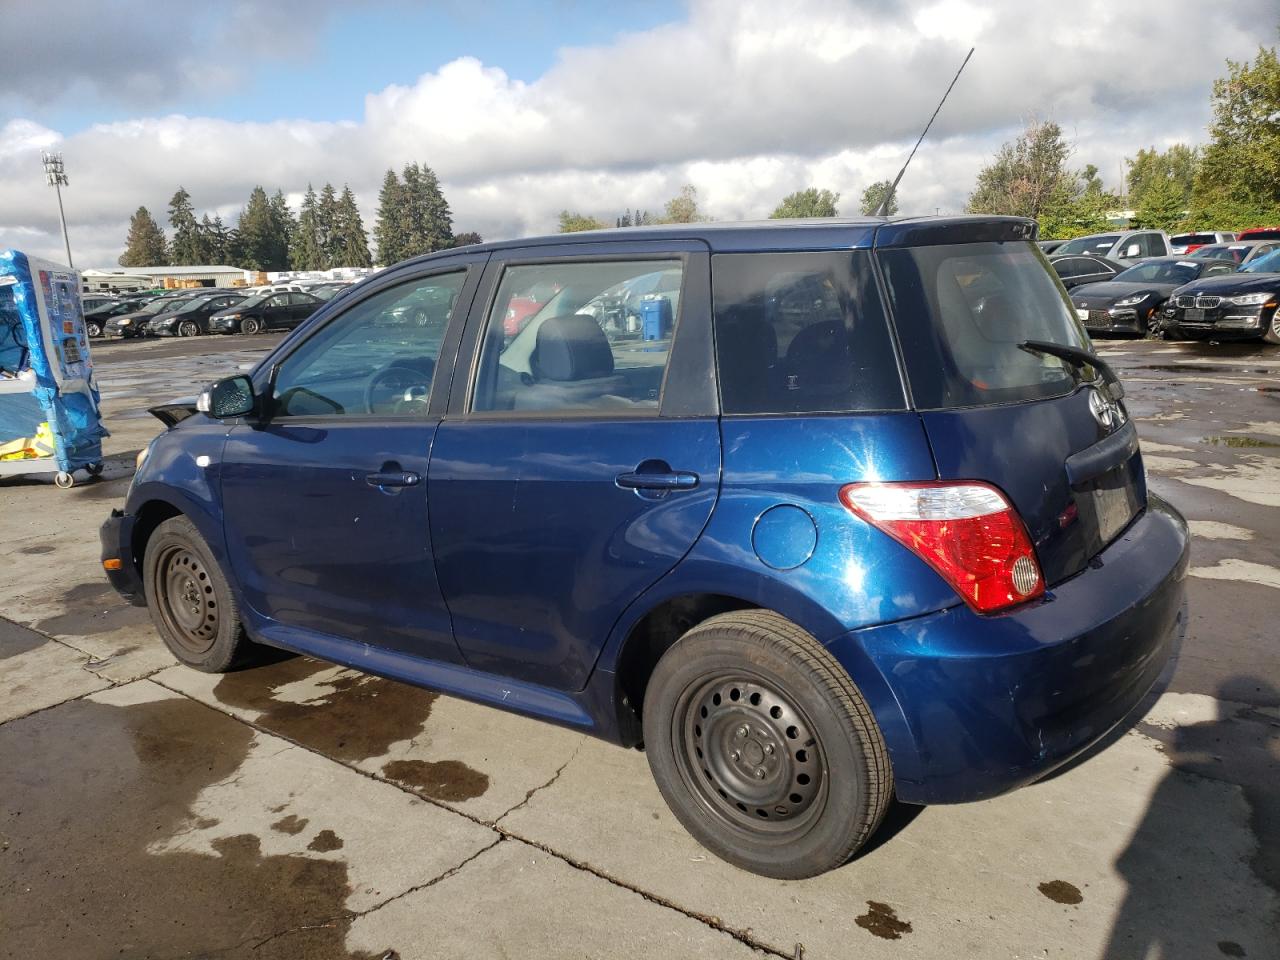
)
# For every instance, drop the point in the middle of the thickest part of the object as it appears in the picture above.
(763, 747)
(188, 328)
(250, 325)
(189, 599)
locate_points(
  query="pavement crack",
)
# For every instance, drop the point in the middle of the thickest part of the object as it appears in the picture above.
(433, 881)
(538, 789)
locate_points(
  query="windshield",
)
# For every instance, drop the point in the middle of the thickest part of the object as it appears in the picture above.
(254, 301)
(962, 309)
(163, 306)
(1099, 245)
(1160, 271)
(1268, 263)
(1222, 251)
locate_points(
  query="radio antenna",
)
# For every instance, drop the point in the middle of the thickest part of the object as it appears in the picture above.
(884, 204)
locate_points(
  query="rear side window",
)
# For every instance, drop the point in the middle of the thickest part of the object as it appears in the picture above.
(962, 309)
(1186, 239)
(802, 333)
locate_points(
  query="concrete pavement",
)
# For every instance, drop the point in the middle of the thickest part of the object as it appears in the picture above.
(298, 809)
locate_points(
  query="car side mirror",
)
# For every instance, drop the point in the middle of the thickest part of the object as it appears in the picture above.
(1132, 250)
(232, 397)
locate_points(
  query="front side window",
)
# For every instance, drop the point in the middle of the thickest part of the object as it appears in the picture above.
(961, 311)
(802, 333)
(378, 358)
(579, 337)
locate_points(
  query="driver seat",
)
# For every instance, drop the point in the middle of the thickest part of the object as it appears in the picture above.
(572, 365)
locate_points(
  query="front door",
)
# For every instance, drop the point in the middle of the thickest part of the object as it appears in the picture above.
(325, 499)
(560, 486)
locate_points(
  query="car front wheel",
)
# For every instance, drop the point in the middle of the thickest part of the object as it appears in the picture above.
(763, 747)
(189, 599)
(1272, 333)
(250, 325)
(189, 328)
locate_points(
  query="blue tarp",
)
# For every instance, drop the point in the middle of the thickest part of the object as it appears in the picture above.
(49, 339)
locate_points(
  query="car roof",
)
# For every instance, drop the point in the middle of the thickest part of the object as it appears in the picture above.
(740, 236)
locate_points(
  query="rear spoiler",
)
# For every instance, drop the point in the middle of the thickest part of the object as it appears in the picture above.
(934, 231)
(174, 412)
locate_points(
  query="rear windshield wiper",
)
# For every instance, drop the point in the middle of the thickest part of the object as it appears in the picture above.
(1079, 358)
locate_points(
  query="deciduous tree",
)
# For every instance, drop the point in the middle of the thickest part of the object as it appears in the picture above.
(574, 222)
(874, 195)
(806, 203)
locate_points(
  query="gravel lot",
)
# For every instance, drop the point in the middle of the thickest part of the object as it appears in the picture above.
(302, 810)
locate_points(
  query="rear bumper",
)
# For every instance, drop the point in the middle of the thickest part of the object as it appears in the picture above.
(989, 704)
(116, 534)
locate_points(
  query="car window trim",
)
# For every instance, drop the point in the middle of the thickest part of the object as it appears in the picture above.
(472, 265)
(468, 356)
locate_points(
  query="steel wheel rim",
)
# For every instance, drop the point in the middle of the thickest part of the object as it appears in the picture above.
(750, 754)
(186, 600)
(249, 326)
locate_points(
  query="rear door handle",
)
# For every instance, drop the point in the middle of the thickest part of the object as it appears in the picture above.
(674, 480)
(392, 478)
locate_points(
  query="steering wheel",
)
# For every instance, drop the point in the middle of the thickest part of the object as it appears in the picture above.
(397, 388)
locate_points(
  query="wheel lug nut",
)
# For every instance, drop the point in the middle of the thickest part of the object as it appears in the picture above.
(768, 749)
(759, 773)
(735, 756)
(742, 732)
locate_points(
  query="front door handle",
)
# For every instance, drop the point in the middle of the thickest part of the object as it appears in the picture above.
(393, 478)
(671, 480)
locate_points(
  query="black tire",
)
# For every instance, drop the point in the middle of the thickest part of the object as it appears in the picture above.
(250, 325)
(189, 599)
(810, 740)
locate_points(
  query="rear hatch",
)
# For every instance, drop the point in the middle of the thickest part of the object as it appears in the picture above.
(1049, 431)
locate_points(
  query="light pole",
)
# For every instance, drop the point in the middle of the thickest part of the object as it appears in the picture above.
(56, 178)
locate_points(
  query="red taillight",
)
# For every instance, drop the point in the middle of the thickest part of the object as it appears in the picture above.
(966, 531)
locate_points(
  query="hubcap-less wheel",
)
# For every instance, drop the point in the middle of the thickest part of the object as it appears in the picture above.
(749, 754)
(187, 602)
(189, 329)
(249, 326)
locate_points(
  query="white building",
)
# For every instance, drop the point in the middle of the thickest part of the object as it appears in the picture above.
(146, 278)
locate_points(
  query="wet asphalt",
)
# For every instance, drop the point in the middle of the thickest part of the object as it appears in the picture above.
(299, 810)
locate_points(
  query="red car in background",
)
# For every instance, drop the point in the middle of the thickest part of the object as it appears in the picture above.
(1259, 233)
(521, 308)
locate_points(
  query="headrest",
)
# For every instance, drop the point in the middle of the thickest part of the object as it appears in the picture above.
(571, 347)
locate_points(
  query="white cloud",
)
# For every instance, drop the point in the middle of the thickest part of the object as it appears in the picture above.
(748, 100)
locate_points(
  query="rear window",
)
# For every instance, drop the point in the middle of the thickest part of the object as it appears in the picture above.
(1186, 239)
(802, 333)
(962, 309)
(1099, 245)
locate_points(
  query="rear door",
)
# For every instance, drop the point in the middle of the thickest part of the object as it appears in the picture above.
(579, 460)
(1042, 429)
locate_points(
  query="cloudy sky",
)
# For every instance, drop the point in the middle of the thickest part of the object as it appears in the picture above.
(525, 109)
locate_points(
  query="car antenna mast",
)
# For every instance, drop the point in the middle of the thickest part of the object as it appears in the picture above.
(888, 197)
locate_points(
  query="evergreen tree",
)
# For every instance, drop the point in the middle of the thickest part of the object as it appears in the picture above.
(186, 248)
(390, 235)
(352, 243)
(327, 227)
(807, 203)
(145, 246)
(428, 222)
(257, 230)
(306, 253)
(466, 239)
(283, 227)
(211, 245)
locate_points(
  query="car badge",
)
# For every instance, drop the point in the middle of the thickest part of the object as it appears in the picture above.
(1105, 410)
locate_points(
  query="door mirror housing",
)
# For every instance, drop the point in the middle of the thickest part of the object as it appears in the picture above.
(1132, 250)
(232, 397)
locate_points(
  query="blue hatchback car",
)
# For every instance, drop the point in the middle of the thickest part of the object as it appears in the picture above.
(854, 512)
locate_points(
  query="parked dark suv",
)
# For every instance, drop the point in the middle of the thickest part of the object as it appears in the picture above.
(853, 512)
